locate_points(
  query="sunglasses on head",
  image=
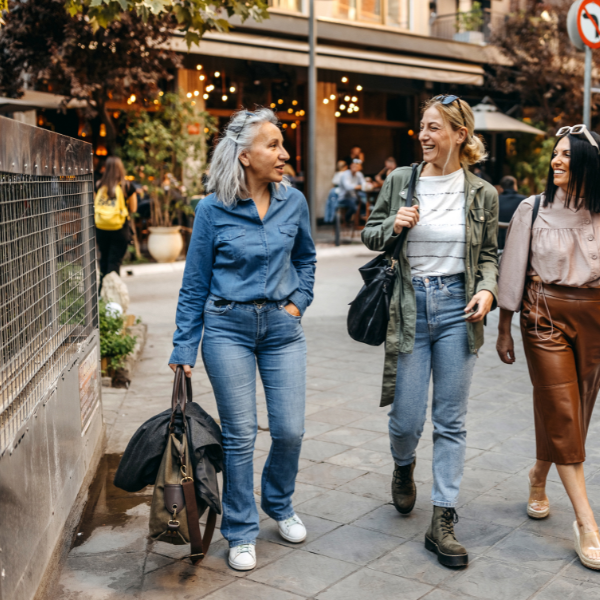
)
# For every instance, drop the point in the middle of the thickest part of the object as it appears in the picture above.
(248, 114)
(578, 130)
(446, 99)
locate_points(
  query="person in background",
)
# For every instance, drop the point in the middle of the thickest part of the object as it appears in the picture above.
(115, 200)
(509, 202)
(480, 171)
(390, 165)
(355, 153)
(332, 198)
(351, 184)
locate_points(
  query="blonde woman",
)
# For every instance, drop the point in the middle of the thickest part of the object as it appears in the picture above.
(446, 286)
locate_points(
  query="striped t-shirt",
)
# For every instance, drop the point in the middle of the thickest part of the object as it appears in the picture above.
(436, 245)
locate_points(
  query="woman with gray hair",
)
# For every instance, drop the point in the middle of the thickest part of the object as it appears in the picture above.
(248, 279)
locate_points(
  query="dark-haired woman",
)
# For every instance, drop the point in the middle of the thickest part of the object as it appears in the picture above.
(550, 271)
(115, 201)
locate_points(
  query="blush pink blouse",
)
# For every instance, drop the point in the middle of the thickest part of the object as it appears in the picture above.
(563, 248)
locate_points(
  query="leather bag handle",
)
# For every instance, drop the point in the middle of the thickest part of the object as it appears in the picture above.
(182, 393)
(408, 202)
(198, 545)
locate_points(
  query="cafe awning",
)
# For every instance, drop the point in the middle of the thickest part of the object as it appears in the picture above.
(290, 52)
(32, 100)
(489, 119)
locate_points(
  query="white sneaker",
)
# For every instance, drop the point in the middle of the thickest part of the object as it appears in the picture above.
(242, 557)
(292, 529)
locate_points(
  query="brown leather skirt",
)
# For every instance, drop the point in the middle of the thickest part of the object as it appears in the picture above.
(561, 336)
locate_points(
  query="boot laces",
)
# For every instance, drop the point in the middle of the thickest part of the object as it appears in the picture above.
(449, 517)
(243, 548)
(402, 476)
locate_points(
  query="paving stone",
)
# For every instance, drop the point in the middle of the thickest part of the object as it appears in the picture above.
(339, 506)
(129, 536)
(528, 549)
(367, 583)
(305, 491)
(110, 576)
(372, 485)
(493, 507)
(499, 462)
(337, 416)
(360, 458)
(495, 580)
(479, 536)
(328, 475)
(559, 523)
(380, 444)
(349, 436)
(315, 429)
(353, 544)
(569, 589)
(577, 571)
(182, 581)
(378, 423)
(413, 561)
(250, 590)
(303, 573)
(388, 520)
(317, 450)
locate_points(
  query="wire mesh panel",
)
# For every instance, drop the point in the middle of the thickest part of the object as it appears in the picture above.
(48, 298)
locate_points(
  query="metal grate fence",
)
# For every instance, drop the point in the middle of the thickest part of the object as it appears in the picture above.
(48, 299)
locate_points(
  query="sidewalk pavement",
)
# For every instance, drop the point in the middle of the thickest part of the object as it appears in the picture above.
(358, 546)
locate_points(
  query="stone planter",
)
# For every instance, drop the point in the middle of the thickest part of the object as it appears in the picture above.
(165, 243)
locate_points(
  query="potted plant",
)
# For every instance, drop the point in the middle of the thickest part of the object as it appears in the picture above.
(469, 25)
(115, 343)
(158, 147)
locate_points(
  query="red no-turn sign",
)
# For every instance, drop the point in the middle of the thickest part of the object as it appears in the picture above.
(588, 22)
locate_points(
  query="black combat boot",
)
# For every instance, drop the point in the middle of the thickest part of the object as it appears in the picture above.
(404, 490)
(440, 538)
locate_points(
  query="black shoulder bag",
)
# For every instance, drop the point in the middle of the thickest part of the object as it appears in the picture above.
(370, 311)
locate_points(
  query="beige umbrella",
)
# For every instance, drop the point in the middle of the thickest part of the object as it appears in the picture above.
(488, 118)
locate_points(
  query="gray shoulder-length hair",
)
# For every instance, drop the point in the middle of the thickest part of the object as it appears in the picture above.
(227, 177)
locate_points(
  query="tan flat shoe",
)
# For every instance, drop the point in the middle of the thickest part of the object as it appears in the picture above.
(587, 541)
(537, 509)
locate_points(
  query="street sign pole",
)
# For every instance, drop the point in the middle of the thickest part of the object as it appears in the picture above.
(587, 89)
(312, 118)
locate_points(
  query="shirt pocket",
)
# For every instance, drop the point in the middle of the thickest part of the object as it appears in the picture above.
(478, 219)
(231, 242)
(288, 233)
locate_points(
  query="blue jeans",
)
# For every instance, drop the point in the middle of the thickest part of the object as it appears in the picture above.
(237, 338)
(442, 349)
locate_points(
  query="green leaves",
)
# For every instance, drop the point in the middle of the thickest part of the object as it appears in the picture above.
(194, 17)
(115, 343)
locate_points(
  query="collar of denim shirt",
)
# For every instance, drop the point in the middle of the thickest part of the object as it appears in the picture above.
(278, 191)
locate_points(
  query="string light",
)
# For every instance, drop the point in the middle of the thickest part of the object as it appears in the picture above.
(294, 102)
(189, 94)
(199, 67)
(206, 130)
(284, 125)
(332, 97)
(210, 88)
(354, 99)
(193, 103)
(302, 113)
(359, 88)
(217, 74)
(290, 110)
(294, 125)
(344, 79)
(205, 96)
(232, 89)
(411, 132)
(325, 100)
(161, 93)
(273, 105)
(224, 98)
(347, 98)
(196, 93)
(132, 98)
(337, 113)
(280, 101)
(201, 78)
(342, 107)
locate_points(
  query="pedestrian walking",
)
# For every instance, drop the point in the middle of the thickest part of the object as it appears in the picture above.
(248, 279)
(509, 200)
(115, 200)
(551, 273)
(446, 285)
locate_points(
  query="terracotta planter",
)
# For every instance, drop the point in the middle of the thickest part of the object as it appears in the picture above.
(165, 243)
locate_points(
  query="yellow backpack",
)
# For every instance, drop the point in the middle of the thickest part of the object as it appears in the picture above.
(110, 213)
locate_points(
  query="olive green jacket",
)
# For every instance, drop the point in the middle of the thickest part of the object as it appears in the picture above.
(481, 262)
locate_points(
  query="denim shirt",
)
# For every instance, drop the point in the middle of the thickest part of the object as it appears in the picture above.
(236, 256)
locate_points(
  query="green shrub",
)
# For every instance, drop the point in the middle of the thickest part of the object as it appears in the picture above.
(115, 343)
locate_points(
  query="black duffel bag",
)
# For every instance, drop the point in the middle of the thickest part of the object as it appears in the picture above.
(370, 311)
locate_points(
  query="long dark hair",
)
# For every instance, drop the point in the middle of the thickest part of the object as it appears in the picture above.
(584, 178)
(114, 175)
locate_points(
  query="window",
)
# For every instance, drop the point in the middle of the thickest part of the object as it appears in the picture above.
(291, 5)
